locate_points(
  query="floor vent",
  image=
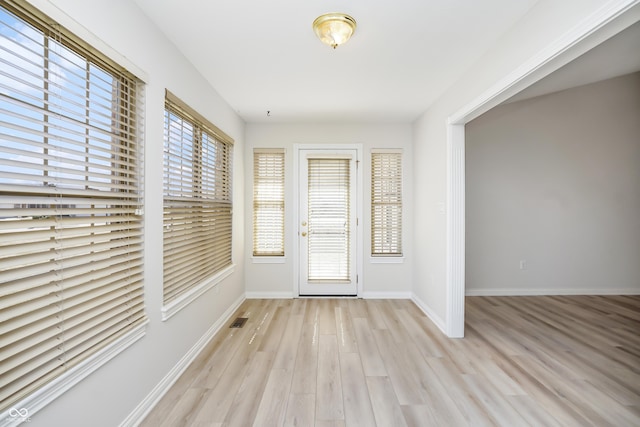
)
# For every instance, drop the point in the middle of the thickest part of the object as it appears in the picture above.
(239, 322)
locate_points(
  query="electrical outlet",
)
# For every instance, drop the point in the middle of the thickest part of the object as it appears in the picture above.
(523, 264)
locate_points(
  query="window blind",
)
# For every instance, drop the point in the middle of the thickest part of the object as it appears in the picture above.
(197, 199)
(71, 279)
(329, 219)
(386, 203)
(268, 202)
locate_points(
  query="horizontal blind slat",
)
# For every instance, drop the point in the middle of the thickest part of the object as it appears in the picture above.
(386, 203)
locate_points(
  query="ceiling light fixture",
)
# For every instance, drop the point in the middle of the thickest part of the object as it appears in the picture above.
(334, 29)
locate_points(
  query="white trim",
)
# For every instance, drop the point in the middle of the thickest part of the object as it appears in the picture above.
(455, 274)
(358, 147)
(386, 259)
(54, 389)
(270, 295)
(268, 259)
(184, 300)
(528, 73)
(387, 295)
(148, 403)
(437, 320)
(516, 79)
(542, 292)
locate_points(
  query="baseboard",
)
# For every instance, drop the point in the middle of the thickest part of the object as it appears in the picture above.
(386, 295)
(269, 295)
(437, 320)
(541, 292)
(143, 409)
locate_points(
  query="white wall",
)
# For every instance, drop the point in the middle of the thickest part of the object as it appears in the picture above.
(278, 279)
(109, 395)
(546, 26)
(554, 181)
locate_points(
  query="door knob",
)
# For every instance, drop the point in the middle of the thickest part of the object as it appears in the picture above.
(304, 234)
(304, 223)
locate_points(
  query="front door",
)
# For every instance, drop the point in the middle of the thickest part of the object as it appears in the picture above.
(327, 222)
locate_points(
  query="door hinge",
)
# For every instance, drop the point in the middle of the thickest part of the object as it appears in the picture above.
(357, 278)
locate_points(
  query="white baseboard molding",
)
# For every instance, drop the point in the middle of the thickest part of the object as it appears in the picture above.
(541, 292)
(437, 320)
(269, 295)
(386, 295)
(143, 409)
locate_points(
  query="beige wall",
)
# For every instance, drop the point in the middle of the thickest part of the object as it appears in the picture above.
(553, 183)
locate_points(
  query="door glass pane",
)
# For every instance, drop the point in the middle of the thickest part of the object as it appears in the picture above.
(329, 220)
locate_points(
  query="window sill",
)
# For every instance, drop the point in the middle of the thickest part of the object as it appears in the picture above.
(268, 259)
(175, 306)
(386, 260)
(54, 389)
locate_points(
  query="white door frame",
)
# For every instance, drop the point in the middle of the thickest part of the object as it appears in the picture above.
(358, 209)
(604, 23)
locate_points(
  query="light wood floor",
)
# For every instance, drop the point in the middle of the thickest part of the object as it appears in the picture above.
(539, 361)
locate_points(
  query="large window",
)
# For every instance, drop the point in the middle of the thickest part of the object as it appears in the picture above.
(197, 201)
(386, 203)
(268, 202)
(71, 280)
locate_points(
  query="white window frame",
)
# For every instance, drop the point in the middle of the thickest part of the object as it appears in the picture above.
(205, 196)
(72, 184)
(381, 257)
(268, 170)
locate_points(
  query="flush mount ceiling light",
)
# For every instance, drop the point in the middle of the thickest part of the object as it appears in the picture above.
(334, 29)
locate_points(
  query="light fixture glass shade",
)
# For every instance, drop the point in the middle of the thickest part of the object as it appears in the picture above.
(334, 29)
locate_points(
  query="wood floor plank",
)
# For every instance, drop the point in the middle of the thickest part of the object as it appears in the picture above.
(181, 414)
(428, 347)
(394, 325)
(357, 405)
(532, 412)
(539, 361)
(420, 416)
(305, 372)
(288, 349)
(467, 403)
(347, 342)
(327, 317)
(357, 308)
(437, 395)
(386, 408)
(375, 318)
(407, 387)
(244, 407)
(329, 423)
(372, 363)
(301, 410)
(273, 405)
(329, 403)
(492, 402)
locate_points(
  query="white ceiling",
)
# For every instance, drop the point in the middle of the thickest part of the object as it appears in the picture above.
(263, 55)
